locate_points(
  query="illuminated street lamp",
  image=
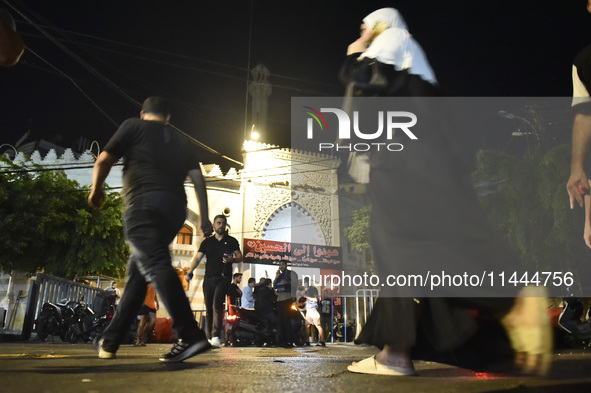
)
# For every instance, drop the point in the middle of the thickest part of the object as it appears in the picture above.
(512, 116)
(13, 148)
(254, 134)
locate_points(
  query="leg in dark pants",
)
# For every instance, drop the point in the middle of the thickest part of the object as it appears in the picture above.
(214, 294)
(284, 335)
(151, 222)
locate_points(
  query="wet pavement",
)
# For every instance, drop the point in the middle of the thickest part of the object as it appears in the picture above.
(64, 368)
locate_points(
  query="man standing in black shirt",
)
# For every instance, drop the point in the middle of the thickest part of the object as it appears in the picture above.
(233, 297)
(221, 251)
(234, 292)
(157, 161)
(285, 283)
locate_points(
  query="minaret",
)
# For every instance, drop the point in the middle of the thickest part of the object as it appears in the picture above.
(259, 89)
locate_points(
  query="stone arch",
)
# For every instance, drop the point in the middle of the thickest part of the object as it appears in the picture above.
(293, 223)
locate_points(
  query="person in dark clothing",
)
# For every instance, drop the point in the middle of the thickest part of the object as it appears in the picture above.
(285, 283)
(264, 301)
(157, 161)
(430, 183)
(578, 182)
(221, 251)
(325, 314)
(234, 292)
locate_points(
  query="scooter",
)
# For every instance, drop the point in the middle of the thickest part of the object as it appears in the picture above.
(574, 331)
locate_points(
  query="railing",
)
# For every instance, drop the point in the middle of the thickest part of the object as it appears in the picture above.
(346, 328)
(368, 298)
(54, 289)
(199, 316)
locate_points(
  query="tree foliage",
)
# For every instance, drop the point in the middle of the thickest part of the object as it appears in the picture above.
(358, 235)
(48, 226)
(530, 206)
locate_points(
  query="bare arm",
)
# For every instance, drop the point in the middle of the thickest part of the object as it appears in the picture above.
(197, 257)
(196, 177)
(587, 231)
(102, 167)
(11, 45)
(581, 141)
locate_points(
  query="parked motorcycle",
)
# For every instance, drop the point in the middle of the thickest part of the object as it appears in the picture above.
(84, 324)
(53, 320)
(74, 321)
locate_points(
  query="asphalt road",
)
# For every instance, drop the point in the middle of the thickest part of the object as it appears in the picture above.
(64, 368)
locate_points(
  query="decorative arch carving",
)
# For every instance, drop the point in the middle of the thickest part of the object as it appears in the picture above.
(269, 200)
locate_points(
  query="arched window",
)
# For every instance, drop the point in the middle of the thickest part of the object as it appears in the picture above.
(185, 235)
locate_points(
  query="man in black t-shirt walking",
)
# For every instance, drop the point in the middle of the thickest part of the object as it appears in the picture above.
(221, 251)
(156, 162)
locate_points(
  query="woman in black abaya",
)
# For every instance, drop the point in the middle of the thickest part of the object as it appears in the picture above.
(424, 209)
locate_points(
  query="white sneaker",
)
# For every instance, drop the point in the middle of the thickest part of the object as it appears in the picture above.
(102, 354)
(215, 342)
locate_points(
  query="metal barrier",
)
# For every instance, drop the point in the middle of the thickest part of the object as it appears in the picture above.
(199, 316)
(54, 289)
(368, 297)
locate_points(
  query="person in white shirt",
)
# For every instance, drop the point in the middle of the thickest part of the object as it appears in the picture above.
(247, 300)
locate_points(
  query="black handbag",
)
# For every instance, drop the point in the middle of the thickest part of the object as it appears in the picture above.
(371, 74)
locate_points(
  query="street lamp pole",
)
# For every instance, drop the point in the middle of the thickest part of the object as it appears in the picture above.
(512, 116)
(13, 148)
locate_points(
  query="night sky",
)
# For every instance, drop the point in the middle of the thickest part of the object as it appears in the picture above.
(197, 53)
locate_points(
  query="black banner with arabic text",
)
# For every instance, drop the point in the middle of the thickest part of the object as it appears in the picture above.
(270, 252)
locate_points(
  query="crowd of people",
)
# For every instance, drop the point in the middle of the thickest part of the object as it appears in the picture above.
(158, 160)
(272, 300)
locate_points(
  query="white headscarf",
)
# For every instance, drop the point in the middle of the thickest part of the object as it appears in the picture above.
(396, 46)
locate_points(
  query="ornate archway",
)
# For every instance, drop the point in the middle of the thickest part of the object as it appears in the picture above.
(292, 223)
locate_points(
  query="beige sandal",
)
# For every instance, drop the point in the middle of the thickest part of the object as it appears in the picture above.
(371, 366)
(528, 328)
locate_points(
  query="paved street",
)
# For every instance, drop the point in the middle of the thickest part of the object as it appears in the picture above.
(64, 368)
